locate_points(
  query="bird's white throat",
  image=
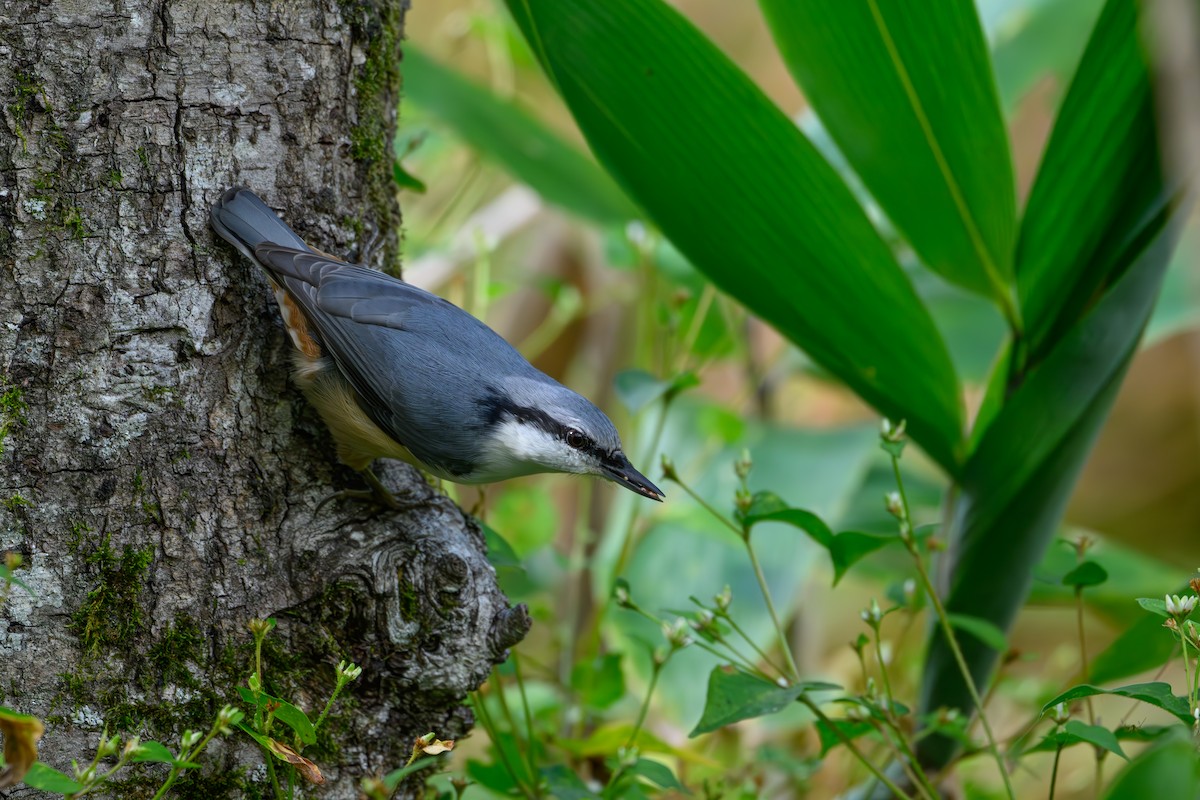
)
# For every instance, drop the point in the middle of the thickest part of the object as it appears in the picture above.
(513, 448)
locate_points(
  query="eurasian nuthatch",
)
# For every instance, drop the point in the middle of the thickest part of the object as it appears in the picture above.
(396, 372)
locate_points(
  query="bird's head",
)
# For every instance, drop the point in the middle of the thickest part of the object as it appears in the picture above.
(545, 427)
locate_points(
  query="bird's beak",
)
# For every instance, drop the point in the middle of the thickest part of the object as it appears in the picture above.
(623, 473)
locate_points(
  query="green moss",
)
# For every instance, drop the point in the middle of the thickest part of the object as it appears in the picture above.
(183, 642)
(26, 88)
(77, 536)
(12, 410)
(376, 26)
(111, 613)
(209, 784)
(15, 502)
(410, 601)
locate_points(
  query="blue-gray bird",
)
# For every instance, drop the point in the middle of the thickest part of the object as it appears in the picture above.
(396, 372)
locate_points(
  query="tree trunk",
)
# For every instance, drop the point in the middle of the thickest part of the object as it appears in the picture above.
(160, 473)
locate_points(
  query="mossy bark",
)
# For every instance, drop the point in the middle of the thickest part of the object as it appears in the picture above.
(159, 473)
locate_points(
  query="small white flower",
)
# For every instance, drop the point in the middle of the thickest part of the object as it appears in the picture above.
(1181, 607)
(348, 671)
(1060, 714)
(676, 633)
(873, 614)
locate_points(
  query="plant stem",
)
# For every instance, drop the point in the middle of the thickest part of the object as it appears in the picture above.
(853, 748)
(274, 777)
(641, 718)
(1054, 772)
(489, 727)
(762, 654)
(744, 535)
(537, 789)
(766, 593)
(337, 689)
(500, 696)
(627, 537)
(947, 630)
(1187, 680)
(908, 759)
(188, 756)
(891, 734)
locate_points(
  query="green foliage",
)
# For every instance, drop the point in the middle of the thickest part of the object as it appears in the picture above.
(1166, 770)
(670, 116)
(734, 695)
(1053, 312)
(876, 67)
(516, 139)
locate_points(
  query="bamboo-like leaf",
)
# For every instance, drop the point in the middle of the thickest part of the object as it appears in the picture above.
(1017, 483)
(911, 101)
(740, 191)
(1100, 178)
(1059, 388)
(505, 132)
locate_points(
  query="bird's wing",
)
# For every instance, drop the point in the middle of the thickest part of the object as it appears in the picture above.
(419, 363)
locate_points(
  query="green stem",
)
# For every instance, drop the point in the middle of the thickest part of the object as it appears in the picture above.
(738, 628)
(947, 630)
(693, 332)
(489, 727)
(908, 759)
(766, 593)
(1083, 654)
(529, 751)
(892, 734)
(1187, 680)
(744, 535)
(337, 689)
(274, 777)
(188, 756)
(645, 709)
(852, 747)
(1054, 772)
(627, 538)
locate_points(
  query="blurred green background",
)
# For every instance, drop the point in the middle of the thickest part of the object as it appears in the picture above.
(507, 215)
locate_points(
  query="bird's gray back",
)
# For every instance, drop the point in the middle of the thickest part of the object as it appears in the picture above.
(427, 372)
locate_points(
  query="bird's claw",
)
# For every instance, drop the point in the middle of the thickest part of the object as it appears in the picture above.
(377, 494)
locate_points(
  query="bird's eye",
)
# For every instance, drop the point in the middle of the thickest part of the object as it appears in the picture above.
(575, 439)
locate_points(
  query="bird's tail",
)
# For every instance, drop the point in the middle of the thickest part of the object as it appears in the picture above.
(246, 222)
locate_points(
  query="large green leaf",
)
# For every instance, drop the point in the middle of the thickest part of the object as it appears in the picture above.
(911, 101)
(1020, 475)
(1017, 483)
(1099, 178)
(505, 132)
(740, 191)
(1169, 769)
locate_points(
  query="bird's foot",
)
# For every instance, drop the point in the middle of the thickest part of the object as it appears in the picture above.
(377, 494)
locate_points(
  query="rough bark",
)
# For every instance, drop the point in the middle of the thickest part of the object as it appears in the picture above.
(159, 471)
